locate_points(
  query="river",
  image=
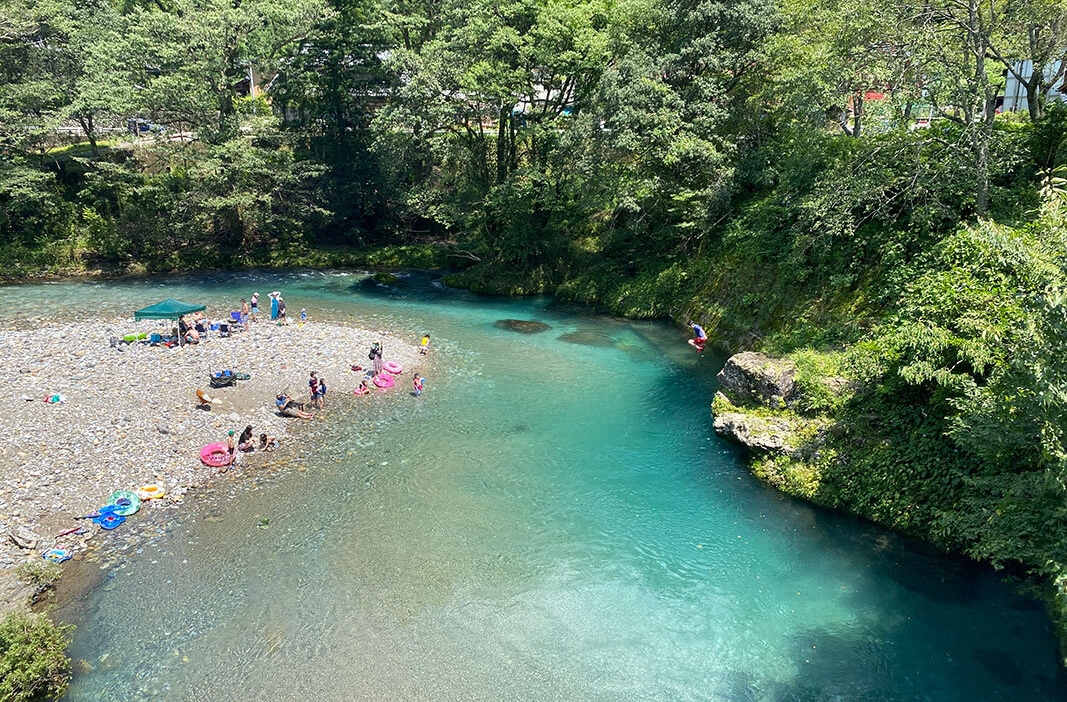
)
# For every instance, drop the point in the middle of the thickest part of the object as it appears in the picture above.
(554, 519)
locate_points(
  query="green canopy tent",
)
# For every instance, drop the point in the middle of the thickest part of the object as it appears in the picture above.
(167, 309)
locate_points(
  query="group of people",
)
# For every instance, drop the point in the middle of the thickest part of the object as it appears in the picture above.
(192, 327)
(246, 443)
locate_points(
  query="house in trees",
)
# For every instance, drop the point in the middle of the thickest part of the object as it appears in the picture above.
(1015, 89)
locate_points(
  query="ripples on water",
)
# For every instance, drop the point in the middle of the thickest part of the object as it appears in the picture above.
(552, 520)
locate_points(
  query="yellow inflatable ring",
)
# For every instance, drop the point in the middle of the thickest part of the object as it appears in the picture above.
(150, 492)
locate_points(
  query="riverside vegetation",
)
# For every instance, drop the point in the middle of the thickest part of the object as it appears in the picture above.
(824, 181)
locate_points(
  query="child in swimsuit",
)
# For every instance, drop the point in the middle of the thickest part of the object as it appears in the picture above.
(417, 382)
(425, 344)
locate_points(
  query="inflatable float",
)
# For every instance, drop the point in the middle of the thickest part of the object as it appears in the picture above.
(107, 518)
(384, 380)
(361, 391)
(215, 455)
(393, 367)
(57, 555)
(126, 502)
(151, 492)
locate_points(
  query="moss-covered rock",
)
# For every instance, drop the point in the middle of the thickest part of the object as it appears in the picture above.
(385, 278)
(753, 378)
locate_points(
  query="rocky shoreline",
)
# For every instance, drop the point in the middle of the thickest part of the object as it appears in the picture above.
(129, 416)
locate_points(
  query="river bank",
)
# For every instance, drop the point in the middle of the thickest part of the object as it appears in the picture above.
(129, 415)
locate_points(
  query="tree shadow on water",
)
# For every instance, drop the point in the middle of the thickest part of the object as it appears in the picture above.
(858, 667)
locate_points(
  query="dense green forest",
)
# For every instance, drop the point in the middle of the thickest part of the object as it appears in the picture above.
(825, 180)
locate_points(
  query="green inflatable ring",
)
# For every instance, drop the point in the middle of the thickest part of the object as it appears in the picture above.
(129, 505)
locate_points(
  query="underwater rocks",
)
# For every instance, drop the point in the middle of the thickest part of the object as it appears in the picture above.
(522, 326)
(585, 337)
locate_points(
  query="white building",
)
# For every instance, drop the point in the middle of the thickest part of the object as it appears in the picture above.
(1015, 92)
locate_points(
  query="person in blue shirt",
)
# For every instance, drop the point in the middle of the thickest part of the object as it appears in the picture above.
(700, 338)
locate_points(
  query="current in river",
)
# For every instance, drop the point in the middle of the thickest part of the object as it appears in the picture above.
(554, 519)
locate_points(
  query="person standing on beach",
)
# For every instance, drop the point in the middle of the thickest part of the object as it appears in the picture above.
(281, 310)
(274, 306)
(425, 345)
(375, 357)
(314, 389)
(231, 449)
(255, 305)
(417, 383)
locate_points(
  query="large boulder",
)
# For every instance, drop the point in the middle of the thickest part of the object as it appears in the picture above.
(752, 378)
(787, 435)
(759, 434)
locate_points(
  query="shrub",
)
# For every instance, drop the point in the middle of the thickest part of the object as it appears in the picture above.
(39, 575)
(33, 659)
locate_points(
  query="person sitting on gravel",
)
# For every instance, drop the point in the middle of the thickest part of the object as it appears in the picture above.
(246, 442)
(188, 332)
(289, 407)
(268, 443)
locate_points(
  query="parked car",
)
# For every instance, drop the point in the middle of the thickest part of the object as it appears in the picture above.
(137, 127)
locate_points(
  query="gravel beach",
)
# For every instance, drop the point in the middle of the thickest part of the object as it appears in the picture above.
(129, 415)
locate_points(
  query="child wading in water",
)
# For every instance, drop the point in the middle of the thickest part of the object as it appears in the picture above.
(417, 382)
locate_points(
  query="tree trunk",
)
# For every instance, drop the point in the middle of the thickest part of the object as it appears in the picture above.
(86, 122)
(857, 114)
(502, 144)
(1035, 96)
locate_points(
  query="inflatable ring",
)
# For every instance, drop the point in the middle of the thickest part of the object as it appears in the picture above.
(126, 502)
(361, 391)
(384, 380)
(393, 367)
(57, 555)
(215, 455)
(109, 521)
(150, 492)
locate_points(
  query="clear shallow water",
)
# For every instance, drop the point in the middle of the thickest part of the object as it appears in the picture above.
(551, 520)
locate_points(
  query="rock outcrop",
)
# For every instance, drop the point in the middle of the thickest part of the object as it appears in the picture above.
(751, 378)
(759, 434)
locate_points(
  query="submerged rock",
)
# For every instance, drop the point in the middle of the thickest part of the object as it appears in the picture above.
(522, 326)
(588, 338)
(754, 378)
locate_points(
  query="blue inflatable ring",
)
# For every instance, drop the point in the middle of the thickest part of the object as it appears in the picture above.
(109, 521)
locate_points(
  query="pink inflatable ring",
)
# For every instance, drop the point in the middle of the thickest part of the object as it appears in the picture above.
(384, 380)
(217, 454)
(393, 367)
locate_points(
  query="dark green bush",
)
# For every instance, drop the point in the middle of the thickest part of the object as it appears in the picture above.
(33, 659)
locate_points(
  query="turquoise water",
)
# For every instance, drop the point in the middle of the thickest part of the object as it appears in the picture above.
(551, 521)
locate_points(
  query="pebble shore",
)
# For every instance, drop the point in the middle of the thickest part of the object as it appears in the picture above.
(130, 416)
